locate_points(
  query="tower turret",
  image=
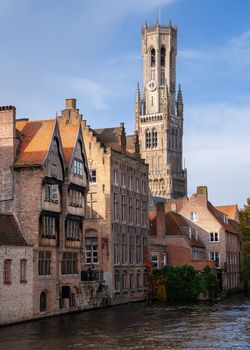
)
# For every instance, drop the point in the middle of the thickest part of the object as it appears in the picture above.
(179, 103)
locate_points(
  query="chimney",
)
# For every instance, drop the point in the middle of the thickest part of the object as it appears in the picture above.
(7, 152)
(202, 191)
(70, 103)
(122, 138)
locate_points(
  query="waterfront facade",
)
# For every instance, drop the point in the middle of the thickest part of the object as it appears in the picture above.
(220, 235)
(117, 212)
(158, 115)
(45, 183)
(175, 240)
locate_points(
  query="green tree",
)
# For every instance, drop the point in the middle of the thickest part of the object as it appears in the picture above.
(245, 235)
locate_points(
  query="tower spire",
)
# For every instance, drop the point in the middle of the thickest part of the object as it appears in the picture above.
(137, 107)
(179, 103)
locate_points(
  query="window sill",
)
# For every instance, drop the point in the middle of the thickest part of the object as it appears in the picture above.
(45, 276)
(7, 282)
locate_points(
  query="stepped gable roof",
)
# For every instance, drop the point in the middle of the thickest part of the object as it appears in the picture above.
(35, 141)
(68, 133)
(230, 210)
(220, 217)
(10, 233)
(176, 224)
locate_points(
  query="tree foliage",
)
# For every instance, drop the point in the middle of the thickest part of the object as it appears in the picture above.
(245, 235)
(184, 283)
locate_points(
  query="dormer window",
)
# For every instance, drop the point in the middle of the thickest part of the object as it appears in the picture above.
(225, 218)
(78, 167)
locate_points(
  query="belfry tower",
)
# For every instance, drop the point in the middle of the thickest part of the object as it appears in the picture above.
(159, 115)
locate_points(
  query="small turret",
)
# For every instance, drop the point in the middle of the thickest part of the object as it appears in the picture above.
(179, 103)
(137, 107)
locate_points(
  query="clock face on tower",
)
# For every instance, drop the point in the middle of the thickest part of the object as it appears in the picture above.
(152, 85)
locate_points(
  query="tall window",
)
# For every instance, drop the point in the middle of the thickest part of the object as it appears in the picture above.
(154, 138)
(138, 280)
(115, 206)
(124, 249)
(148, 139)
(75, 198)
(43, 302)
(51, 193)
(91, 250)
(163, 54)
(130, 182)
(48, 226)
(137, 183)
(152, 57)
(73, 230)
(69, 263)
(162, 76)
(115, 177)
(91, 210)
(131, 249)
(116, 280)
(44, 263)
(23, 270)
(138, 249)
(214, 236)
(131, 281)
(93, 175)
(78, 167)
(216, 257)
(130, 210)
(123, 180)
(7, 271)
(124, 280)
(155, 261)
(144, 214)
(137, 212)
(123, 208)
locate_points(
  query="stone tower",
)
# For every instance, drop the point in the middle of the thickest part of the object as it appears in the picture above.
(159, 114)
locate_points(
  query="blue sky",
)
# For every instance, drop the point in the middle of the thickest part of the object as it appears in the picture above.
(91, 50)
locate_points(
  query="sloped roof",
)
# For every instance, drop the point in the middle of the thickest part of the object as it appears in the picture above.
(68, 133)
(176, 224)
(10, 233)
(35, 141)
(219, 216)
(230, 210)
(107, 135)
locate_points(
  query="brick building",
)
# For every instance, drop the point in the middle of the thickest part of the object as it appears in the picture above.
(116, 217)
(44, 182)
(220, 233)
(175, 240)
(16, 267)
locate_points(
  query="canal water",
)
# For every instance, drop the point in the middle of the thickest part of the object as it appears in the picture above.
(225, 325)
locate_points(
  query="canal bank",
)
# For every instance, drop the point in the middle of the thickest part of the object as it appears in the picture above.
(224, 325)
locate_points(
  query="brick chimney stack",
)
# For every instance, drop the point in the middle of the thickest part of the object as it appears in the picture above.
(70, 115)
(7, 155)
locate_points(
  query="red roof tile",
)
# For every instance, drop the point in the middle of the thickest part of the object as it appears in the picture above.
(35, 143)
(230, 210)
(220, 217)
(69, 133)
(10, 233)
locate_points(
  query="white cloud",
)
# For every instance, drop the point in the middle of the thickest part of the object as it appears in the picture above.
(217, 144)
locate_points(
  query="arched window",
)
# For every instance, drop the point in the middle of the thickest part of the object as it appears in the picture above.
(7, 271)
(148, 139)
(152, 57)
(154, 138)
(43, 302)
(163, 54)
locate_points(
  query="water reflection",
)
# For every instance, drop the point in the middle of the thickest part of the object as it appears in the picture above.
(137, 326)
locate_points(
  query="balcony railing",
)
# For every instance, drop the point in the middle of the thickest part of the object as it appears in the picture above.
(91, 275)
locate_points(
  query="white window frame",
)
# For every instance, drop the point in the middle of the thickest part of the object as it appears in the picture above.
(194, 216)
(214, 237)
(115, 178)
